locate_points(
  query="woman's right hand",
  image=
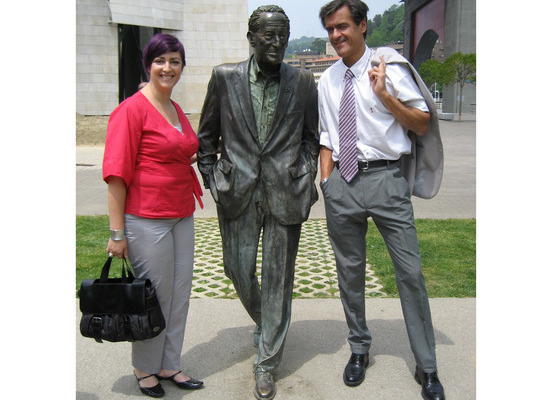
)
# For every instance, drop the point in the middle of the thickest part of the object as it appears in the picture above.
(119, 248)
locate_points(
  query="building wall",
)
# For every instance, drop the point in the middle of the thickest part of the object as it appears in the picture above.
(330, 51)
(459, 35)
(212, 32)
(153, 13)
(96, 59)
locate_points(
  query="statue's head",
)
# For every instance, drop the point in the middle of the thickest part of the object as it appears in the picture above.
(268, 34)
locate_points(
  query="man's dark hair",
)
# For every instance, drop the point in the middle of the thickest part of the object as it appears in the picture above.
(253, 22)
(358, 10)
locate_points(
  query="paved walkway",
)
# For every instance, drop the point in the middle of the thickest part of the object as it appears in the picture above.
(218, 349)
(218, 345)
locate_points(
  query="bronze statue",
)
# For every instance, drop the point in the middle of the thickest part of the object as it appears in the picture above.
(264, 116)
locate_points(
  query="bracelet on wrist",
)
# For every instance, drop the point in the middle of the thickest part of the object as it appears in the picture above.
(117, 234)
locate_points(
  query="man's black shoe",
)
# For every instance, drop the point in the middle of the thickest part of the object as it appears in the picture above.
(431, 386)
(354, 373)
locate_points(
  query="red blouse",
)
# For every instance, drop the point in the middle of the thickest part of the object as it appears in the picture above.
(153, 159)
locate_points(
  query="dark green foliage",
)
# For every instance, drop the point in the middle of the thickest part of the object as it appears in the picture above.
(302, 44)
(386, 28)
(458, 68)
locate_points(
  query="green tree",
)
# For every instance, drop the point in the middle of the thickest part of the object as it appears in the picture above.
(319, 45)
(431, 73)
(297, 45)
(369, 27)
(386, 28)
(461, 69)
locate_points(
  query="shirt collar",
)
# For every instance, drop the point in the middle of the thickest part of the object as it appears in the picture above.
(255, 72)
(361, 66)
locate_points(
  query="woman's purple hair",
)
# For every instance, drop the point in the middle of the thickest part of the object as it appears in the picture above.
(160, 44)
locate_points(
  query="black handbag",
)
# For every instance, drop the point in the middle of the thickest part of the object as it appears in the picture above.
(119, 309)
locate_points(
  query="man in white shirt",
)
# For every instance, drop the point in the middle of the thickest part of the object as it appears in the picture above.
(361, 178)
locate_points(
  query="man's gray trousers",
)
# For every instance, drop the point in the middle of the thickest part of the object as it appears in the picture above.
(381, 193)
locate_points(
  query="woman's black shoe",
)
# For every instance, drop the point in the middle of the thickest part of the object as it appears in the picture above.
(154, 391)
(191, 384)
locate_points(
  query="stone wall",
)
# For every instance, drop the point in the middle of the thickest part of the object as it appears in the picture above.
(96, 58)
(212, 31)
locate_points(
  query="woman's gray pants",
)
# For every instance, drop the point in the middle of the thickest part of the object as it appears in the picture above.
(162, 250)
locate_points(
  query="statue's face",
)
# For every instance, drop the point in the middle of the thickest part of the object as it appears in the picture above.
(270, 41)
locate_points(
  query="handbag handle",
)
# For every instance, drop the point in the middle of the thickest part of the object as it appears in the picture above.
(126, 270)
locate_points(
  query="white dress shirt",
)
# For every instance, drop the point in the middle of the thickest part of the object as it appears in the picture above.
(380, 135)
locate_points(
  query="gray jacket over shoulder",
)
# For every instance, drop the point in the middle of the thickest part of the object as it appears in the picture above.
(422, 168)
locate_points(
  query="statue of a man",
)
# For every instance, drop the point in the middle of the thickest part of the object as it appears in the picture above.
(263, 115)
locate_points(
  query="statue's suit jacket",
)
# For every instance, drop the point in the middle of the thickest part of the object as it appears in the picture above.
(285, 165)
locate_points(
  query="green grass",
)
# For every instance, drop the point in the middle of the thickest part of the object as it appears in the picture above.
(448, 253)
(92, 234)
(447, 247)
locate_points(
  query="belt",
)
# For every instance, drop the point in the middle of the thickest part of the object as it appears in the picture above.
(365, 165)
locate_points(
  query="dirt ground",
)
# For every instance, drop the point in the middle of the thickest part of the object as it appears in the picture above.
(91, 129)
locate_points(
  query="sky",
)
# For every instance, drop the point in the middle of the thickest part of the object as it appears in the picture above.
(303, 14)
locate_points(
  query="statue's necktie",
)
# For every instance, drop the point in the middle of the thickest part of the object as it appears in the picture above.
(348, 165)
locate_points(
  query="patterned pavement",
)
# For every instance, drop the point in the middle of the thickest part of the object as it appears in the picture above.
(315, 274)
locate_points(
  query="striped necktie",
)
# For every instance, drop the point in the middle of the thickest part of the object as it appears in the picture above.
(348, 165)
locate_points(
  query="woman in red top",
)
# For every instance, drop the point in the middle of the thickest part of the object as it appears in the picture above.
(152, 187)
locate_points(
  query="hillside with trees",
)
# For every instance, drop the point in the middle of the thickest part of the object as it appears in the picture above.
(306, 43)
(386, 28)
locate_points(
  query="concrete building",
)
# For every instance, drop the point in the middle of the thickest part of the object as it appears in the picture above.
(330, 51)
(317, 67)
(398, 46)
(302, 59)
(111, 34)
(450, 24)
